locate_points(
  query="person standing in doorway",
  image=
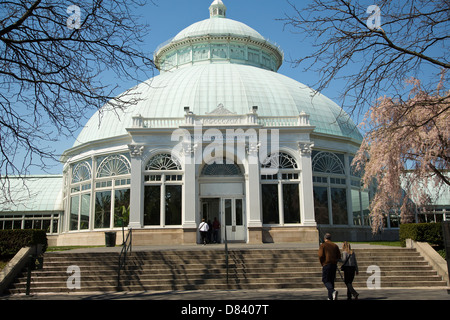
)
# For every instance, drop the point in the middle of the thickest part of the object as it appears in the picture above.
(329, 255)
(203, 228)
(216, 228)
(350, 268)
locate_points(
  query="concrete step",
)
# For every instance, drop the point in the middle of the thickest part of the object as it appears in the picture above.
(206, 270)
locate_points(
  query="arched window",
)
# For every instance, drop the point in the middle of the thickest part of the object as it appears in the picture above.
(81, 172)
(163, 161)
(280, 160)
(329, 188)
(113, 166)
(80, 196)
(221, 169)
(327, 162)
(112, 192)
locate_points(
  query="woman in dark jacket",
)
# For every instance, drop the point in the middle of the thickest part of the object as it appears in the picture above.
(350, 268)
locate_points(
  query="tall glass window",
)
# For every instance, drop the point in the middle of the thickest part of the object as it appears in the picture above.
(280, 181)
(291, 203)
(163, 179)
(74, 210)
(330, 188)
(270, 204)
(102, 217)
(339, 205)
(152, 205)
(321, 205)
(80, 188)
(356, 207)
(173, 205)
(112, 196)
(121, 207)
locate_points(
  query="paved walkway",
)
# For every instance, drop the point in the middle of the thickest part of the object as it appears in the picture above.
(255, 295)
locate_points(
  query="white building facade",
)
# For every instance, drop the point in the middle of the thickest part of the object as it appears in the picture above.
(219, 133)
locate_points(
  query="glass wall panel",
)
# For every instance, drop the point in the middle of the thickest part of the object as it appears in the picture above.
(46, 225)
(356, 207)
(395, 219)
(339, 205)
(228, 209)
(152, 205)
(102, 217)
(74, 206)
(321, 205)
(239, 215)
(121, 207)
(270, 203)
(365, 207)
(84, 213)
(17, 224)
(28, 224)
(173, 204)
(291, 203)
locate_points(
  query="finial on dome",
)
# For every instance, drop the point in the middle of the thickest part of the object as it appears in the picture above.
(217, 9)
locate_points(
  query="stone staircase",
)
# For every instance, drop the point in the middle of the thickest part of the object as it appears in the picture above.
(205, 270)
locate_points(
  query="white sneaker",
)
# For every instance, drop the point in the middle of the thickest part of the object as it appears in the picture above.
(335, 295)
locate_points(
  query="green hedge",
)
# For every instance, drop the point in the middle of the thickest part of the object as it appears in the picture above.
(11, 241)
(422, 232)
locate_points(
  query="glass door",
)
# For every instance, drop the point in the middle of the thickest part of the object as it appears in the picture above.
(233, 210)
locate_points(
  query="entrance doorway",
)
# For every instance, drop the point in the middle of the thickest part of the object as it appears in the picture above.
(230, 213)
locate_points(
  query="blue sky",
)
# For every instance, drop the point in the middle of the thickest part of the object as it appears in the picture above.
(167, 17)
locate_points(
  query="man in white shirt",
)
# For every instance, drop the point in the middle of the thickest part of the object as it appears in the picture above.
(203, 228)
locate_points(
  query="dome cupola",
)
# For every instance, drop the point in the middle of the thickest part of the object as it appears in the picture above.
(218, 40)
(217, 9)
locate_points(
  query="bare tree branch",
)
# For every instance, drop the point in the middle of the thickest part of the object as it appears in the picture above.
(51, 72)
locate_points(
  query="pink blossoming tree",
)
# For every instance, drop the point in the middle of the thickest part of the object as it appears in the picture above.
(405, 152)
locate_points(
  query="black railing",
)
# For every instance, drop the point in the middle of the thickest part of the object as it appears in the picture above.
(126, 247)
(226, 252)
(321, 235)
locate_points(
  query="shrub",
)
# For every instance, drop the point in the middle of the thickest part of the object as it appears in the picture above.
(11, 241)
(422, 232)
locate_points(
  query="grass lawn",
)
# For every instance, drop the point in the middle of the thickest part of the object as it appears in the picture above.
(384, 243)
(3, 263)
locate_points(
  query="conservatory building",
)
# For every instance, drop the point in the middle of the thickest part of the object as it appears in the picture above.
(218, 134)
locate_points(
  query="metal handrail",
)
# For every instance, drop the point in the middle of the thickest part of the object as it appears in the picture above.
(226, 252)
(321, 235)
(123, 254)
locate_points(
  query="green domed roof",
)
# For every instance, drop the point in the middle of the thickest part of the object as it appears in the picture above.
(215, 26)
(237, 87)
(228, 71)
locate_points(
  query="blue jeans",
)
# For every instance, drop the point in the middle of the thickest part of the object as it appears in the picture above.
(328, 277)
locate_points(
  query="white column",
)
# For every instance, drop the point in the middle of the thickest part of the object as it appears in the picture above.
(307, 199)
(136, 188)
(190, 188)
(253, 188)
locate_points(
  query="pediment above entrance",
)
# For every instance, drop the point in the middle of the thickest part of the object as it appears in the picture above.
(220, 110)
